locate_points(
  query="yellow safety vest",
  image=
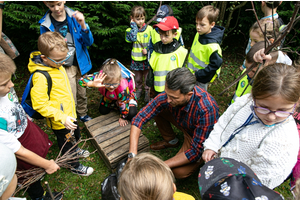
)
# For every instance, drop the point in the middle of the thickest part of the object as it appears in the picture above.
(200, 54)
(142, 38)
(163, 63)
(241, 87)
(155, 37)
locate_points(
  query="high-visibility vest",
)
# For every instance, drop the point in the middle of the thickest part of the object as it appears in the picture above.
(155, 37)
(200, 54)
(163, 63)
(241, 87)
(142, 38)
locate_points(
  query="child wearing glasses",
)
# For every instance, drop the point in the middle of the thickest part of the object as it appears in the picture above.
(259, 129)
(58, 108)
(118, 92)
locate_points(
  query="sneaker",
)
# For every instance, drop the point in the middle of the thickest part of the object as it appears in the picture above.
(46, 196)
(83, 153)
(82, 170)
(147, 96)
(138, 94)
(85, 118)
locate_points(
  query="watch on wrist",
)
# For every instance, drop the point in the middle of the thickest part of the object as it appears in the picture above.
(2, 5)
(131, 155)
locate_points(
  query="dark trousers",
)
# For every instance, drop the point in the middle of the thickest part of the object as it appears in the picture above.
(163, 121)
(132, 111)
(62, 136)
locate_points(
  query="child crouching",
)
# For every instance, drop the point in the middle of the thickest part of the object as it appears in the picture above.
(117, 91)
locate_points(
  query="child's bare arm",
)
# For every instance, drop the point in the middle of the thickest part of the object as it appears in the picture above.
(28, 156)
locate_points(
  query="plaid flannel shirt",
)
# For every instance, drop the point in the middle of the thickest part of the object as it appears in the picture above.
(197, 118)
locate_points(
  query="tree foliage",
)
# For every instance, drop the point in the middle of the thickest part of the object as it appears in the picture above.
(108, 21)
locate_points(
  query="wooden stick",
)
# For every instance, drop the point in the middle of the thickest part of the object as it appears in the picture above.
(49, 190)
(268, 49)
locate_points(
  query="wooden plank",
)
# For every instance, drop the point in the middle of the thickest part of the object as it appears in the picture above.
(116, 161)
(99, 119)
(104, 158)
(143, 141)
(115, 139)
(117, 144)
(104, 122)
(111, 134)
(105, 128)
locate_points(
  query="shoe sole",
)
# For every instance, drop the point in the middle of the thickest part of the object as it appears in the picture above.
(83, 174)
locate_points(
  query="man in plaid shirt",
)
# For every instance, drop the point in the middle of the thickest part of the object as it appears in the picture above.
(191, 109)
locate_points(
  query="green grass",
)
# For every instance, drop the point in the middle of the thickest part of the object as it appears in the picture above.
(90, 187)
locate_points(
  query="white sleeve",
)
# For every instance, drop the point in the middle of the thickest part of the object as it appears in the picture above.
(283, 58)
(9, 140)
(214, 141)
(277, 155)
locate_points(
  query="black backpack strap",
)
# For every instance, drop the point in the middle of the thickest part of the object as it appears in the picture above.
(49, 80)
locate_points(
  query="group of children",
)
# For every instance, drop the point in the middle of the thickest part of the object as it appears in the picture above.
(155, 52)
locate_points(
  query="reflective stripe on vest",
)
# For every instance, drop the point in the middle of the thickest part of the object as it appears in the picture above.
(163, 63)
(200, 54)
(241, 87)
(142, 38)
(155, 37)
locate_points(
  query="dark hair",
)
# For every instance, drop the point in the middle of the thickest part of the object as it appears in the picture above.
(275, 4)
(164, 32)
(181, 79)
(138, 11)
(277, 79)
(210, 12)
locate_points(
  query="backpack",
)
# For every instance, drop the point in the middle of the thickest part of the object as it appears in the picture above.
(26, 98)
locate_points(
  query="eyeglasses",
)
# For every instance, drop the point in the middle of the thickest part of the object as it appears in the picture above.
(114, 85)
(61, 62)
(266, 111)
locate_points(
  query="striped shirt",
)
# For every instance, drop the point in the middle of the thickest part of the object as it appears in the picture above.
(197, 118)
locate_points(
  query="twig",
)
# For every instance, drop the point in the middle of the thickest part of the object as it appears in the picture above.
(268, 49)
(49, 190)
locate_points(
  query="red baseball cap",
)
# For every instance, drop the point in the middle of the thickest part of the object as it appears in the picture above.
(167, 23)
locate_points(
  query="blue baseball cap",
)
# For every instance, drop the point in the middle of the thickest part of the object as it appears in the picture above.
(162, 12)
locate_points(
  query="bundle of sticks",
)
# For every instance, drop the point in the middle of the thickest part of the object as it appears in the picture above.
(27, 177)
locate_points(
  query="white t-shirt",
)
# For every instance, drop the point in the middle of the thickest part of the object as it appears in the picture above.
(13, 121)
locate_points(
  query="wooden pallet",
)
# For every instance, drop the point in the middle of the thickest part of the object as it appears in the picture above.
(112, 140)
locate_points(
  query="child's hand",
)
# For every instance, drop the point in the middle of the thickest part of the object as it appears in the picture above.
(208, 155)
(69, 123)
(79, 18)
(98, 80)
(123, 122)
(144, 51)
(52, 167)
(259, 56)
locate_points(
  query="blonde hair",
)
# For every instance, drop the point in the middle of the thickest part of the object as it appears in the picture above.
(267, 26)
(138, 11)
(210, 12)
(49, 41)
(146, 177)
(7, 65)
(111, 69)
